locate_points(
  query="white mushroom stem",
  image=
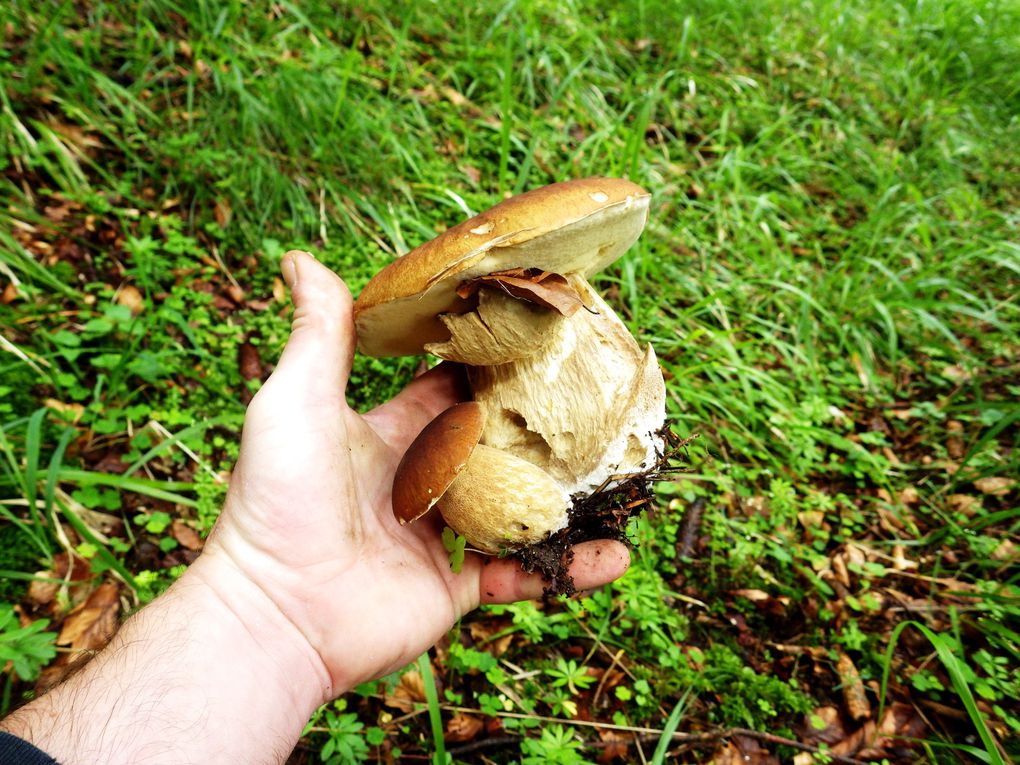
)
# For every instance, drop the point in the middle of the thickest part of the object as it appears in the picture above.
(500, 502)
(586, 405)
(501, 329)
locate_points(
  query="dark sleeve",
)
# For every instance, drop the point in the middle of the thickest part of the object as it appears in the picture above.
(14, 751)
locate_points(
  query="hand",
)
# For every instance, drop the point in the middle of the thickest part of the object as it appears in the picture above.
(308, 517)
(307, 586)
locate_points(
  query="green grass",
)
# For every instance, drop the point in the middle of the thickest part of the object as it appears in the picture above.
(829, 278)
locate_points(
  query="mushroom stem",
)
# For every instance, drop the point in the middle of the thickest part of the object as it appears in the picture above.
(587, 405)
(501, 502)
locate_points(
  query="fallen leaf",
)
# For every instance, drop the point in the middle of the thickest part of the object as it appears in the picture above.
(129, 296)
(543, 288)
(1004, 551)
(90, 626)
(900, 560)
(967, 504)
(10, 294)
(76, 410)
(909, 496)
(616, 746)
(222, 212)
(853, 689)
(956, 373)
(954, 442)
(811, 519)
(43, 590)
(186, 536)
(463, 728)
(900, 722)
(248, 362)
(279, 290)
(824, 725)
(744, 750)
(410, 690)
(852, 743)
(455, 97)
(754, 596)
(236, 294)
(996, 486)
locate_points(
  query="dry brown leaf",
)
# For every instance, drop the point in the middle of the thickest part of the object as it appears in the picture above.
(130, 296)
(90, 626)
(543, 288)
(236, 294)
(42, 591)
(839, 569)
(74, 409)
(279, 290)
(186, 536)
(831, 730)
(811, 519)
(223, 212)
(463, 728)
(1004, 551)
(616, 746)
(909, 496)
(10, 294)
(409, 691)
(852, 743)
(743, 750)
(248, 362)
(954, 441)
(967, 504)
(853, 689)
(956, 373)
(71, 568)
(996, 486)
(755, 596)
(455, 97)
(900, 560)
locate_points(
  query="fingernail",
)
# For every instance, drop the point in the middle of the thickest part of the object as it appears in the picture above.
(288, 267)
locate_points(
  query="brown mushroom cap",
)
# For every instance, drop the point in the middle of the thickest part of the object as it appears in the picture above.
(434, 459)
(574, 227)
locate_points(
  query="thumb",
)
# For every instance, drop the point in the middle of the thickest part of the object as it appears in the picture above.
(321, 345)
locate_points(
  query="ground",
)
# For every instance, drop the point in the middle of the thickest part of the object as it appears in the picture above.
(829, 278)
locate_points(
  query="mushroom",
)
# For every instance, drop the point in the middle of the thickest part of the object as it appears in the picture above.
(487, 495)
(568, 396)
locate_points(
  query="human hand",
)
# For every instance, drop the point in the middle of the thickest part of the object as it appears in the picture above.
(308, 519)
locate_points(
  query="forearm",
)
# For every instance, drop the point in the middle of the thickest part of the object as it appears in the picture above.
(202, 674)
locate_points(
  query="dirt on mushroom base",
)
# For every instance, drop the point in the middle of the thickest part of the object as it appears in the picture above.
(603, 514)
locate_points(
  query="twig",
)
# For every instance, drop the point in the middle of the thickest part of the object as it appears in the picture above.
(649, 735)
(605, 676)
(486, 743)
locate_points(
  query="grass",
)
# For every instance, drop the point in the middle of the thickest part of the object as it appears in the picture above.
(829, 279)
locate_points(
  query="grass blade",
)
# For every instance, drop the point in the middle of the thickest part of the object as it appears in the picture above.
(672, 723)
(435, 716)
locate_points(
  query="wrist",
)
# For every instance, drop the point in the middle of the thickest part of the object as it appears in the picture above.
(265, 642)
(210, 671)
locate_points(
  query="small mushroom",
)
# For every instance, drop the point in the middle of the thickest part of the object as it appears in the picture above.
(566, 388)
(494, 499)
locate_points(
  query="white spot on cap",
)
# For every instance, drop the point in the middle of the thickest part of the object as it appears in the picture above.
(599, 196)
(485, 228)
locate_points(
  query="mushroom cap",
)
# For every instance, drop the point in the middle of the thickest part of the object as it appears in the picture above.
(433, 460)
(574, 227)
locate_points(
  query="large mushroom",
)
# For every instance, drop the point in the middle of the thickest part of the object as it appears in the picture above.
(567, 401)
